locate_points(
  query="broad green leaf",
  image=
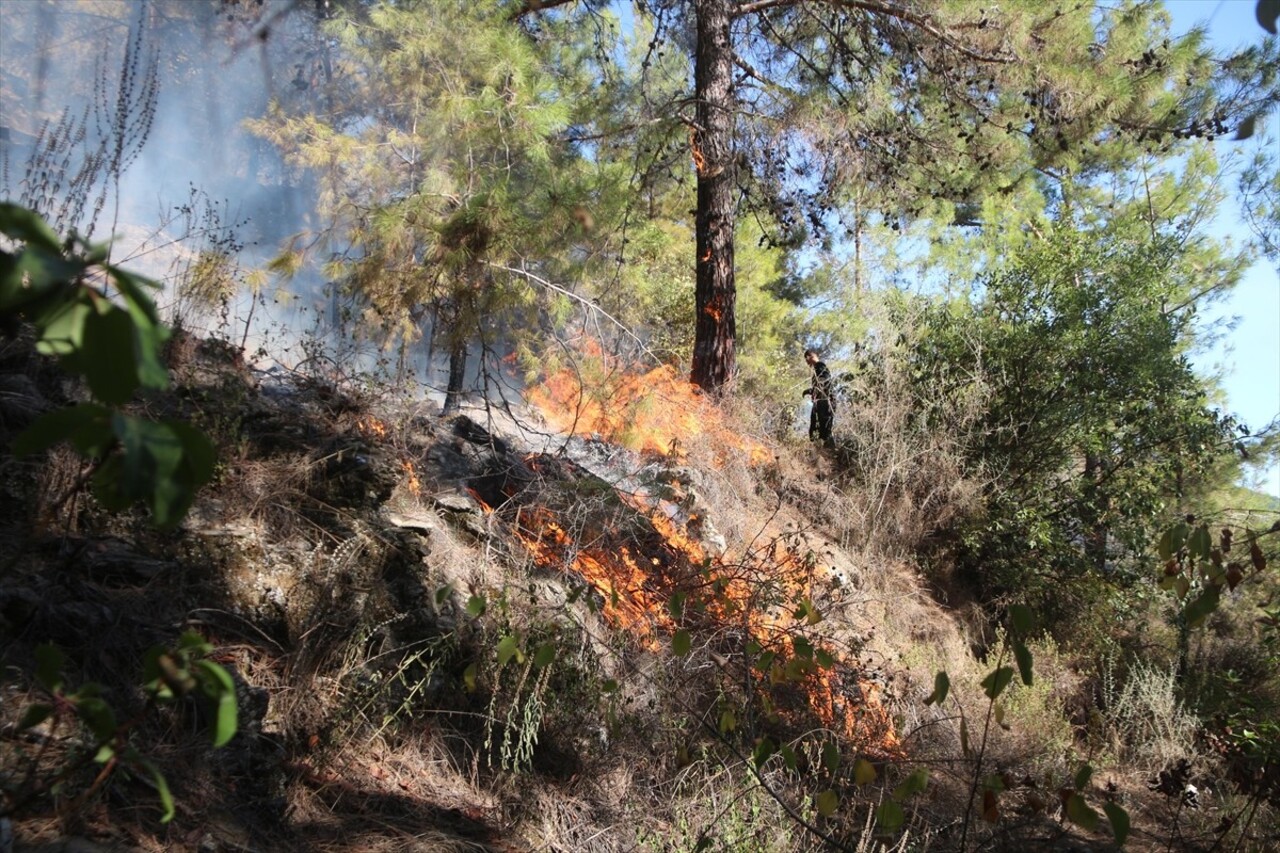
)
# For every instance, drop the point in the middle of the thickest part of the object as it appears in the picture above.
(63, 333)
(87, 426)
(106, 356)
(675, 605)
(1023, 656)
(545, 654)
(98, 716)
(995, 683)
(476, 605)
(941, 687)
(681, 642)
(890, 817)
(34, 716)
(469, 678)
(826, 803)
(1082, 777)
(1199, 543)
(915, 783)
(864, 772)
(1023, 620)
(1201, 606)
(609, 685)
(49, 663)
(27, 226)
(824, 658)
(802, 647)
(1079, 812)
(1119, 819)
(508, 648)
(788, 756)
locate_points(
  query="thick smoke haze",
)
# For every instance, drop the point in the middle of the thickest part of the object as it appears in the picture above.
(200, 182)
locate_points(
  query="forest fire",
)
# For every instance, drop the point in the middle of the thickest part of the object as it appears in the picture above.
(371, 427)
(655, 411)
(644, 552)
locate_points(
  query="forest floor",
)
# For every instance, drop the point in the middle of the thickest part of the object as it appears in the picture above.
(437, 645)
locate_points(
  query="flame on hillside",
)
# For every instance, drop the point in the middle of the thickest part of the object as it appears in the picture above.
(371, 427)
(655, 412)
(652, 579)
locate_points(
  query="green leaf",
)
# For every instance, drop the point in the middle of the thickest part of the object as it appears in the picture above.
(1080, 814)
(788, 757)
(609, 685)
(765, 748)
(826, 803)
(831, 756)
(1200, 543)
(1083, 775)
(890, 817)
(1119, 819)
(469, 678)
(1022, 619)
(28, 227)
(824, 658)
(508, 648)
(218, 684)
(49, 663)
(728, 721)
(34, 716)
(1201, 606)
(1023, 656)
(476, 605)
(63, 332)
(87, 426)
(681, 642)
(98, 716)
(545, 654)
(915, 783)
(941, 687)
(995, 683)
(675, 605)
(802, 647)
(105, 356)
(162, 786)
(864, 772)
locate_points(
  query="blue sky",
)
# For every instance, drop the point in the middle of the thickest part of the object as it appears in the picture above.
(1249, 356)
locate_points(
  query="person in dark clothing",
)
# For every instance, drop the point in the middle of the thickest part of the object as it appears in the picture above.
(823, 415)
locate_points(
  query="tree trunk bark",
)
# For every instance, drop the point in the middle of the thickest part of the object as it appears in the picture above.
(714, 354)
(457, 375)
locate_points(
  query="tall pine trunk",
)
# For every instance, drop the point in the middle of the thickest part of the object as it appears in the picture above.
(714, 354)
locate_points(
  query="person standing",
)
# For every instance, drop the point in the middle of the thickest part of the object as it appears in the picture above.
(823, 416)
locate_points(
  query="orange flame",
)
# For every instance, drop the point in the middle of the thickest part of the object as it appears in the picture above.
(412, 483)
(371, 427)
(652, 412)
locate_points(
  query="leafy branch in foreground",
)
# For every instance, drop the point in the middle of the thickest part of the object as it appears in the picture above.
(1020, 629)
(114, 344)
(169, 675)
